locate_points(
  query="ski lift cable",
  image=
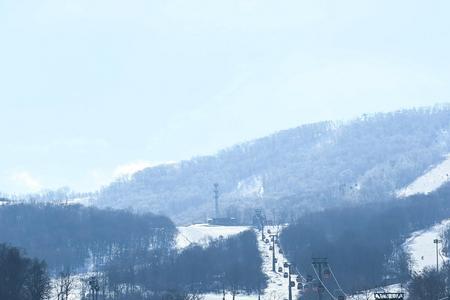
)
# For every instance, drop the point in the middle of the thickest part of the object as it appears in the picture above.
(296, 269)
(337, 282)
(300, 274)
(323, 284)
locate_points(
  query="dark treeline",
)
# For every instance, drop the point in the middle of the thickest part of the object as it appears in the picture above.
(364, 243)
(67, 236)
(134, 255)
(231, 264)
(430, 284)
(234, 262)
(22, 278)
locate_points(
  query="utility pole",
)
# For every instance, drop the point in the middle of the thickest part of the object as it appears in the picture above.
(216, 199)
(437, 241)
(273, 253)
(319, 263)
(273, 237)
(290, 287)
(260, 220)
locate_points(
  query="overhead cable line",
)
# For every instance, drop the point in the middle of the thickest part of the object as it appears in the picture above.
(339, 286)
(321, 282)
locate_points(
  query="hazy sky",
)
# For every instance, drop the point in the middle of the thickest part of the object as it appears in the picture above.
(92, 88)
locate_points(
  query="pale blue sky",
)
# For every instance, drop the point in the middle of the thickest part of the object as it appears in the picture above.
(88, 87)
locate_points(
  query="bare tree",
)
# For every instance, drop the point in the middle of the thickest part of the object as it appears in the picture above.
(65, 285)
(193, 296)
(38, 282)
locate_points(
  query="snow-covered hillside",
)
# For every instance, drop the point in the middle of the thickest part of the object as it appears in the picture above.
(202, 233)
(250, 187)
(421, 247)
(277, 285)
(300, 169)
(428, 182)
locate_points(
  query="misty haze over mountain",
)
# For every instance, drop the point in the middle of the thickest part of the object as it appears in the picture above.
(88, 90)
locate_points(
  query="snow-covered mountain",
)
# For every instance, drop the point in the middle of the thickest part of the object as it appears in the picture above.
(296, 170)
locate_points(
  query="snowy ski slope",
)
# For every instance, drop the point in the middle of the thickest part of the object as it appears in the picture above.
(277, 288)
(423, 255)
(428, 182)
(422, 249)
(202, 233)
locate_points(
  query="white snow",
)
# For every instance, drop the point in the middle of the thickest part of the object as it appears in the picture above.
(277, 288)
(86, 200)
(75, 292)
(202, 233)
(422, 249)
(428, 182)
(228, 296)
(251, 187)
(277, 285)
